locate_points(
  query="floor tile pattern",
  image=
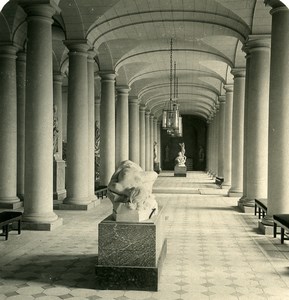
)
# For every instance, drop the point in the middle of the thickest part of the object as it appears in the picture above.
(214, 252)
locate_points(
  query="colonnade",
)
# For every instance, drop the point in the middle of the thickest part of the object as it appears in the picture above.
(253, 144)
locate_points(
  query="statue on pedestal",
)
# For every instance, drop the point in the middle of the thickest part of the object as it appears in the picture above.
(130, 191)
(181, 159)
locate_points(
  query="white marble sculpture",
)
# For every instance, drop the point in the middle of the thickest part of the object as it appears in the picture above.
(130, 191)
(181, 159)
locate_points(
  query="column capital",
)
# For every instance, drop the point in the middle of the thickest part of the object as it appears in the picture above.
(40, 8)
(147, 112)
(257, 42)
(97, 101)
(155, 120)
(152, 116)
(238, 72)
(107, 75)
(133, 100)
(275, 4)
(8, 51)
(21, 56)
(57, 77)
(229, 88)
(78, 47)
(222, 100)
(122, 89)
(142, 108)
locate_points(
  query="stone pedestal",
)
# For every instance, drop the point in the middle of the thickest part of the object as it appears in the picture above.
(130, 254)
(180, 171)
(59, 192)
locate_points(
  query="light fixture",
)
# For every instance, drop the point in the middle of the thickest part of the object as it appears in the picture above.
(171, 119)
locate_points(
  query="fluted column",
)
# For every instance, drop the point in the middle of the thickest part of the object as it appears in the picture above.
(221, 135)
(151, 142)
(122, 125)
(278, 163)
(8, 128)
(134, 130)
(77, 127)
(38, 204)
(91, 126)
(142, 134)
(107, 127)
(159, 128)
(148, 141)
(238, 132)
(228, 135)
(21, 90)
(257, 119)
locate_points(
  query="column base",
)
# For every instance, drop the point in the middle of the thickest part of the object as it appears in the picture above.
(59, 195)
(246, 205)
(235, 194)
(46, 226)
(10, 202)
(79, 206)
(265, 228)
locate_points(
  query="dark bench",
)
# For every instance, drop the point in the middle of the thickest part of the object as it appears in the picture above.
(7, 218)
(101, 191)
(219, 181)
(261, 207)
(281, 220)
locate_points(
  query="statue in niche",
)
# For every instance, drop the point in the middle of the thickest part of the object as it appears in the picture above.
(97, 151)
(201, 154)
(181, 159)
(55, 130)
(130, 191)
(155, 151)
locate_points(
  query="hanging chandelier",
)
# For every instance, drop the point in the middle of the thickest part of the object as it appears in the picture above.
(171, 118)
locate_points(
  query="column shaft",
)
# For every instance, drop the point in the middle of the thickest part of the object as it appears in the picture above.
(151, 142)
(122, 121)
(134, 130)
(147, 141)
(107, 127)
(221, 135)
(142, 134)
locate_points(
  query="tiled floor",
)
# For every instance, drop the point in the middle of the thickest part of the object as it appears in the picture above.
(214, 252)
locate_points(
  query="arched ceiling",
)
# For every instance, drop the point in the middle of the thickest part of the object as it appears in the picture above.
(132, 38)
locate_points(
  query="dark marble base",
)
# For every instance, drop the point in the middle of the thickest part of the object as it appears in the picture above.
(180, 171)
(130, 277)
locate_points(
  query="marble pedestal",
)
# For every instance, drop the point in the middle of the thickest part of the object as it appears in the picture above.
(180, 171)
(59, 192)
(130, 255)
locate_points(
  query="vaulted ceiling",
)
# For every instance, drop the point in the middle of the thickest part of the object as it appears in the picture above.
(132, 38)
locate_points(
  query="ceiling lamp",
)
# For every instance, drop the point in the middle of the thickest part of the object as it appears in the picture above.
(171, 119)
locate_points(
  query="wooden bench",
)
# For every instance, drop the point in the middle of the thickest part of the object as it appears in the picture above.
(101, 191)
(281, 220)
(219, 181)
(261, 207)
(7, 218)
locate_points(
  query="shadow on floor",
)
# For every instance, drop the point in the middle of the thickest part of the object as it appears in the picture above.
(66, 270)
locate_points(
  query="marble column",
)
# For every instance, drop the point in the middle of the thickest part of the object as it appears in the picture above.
(278, 163)
(91, 127)
(21, 90)
(8, 128)
(134, 130)
(238, 132)
(228, 135)
(38, 186)
(59, 192)
(221, 136)
(122, 125)
(159, 128)
(151, 142)
(147, 141)
(107, 126)
(257, 119)
(209, 146)
(142, 134)
(77, 128)
(216, 140)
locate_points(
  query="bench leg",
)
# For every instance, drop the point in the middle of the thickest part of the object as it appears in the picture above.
(6, 231)
(275, 230)
(259, 213)
(255, 210)
(19, 226)
(282, 235)
(263, 213)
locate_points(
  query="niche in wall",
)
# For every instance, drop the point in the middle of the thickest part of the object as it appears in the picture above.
(194, 137)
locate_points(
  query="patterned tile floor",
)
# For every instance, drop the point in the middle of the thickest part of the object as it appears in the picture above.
(214, 252)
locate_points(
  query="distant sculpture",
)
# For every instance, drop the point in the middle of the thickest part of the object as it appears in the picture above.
(155, 151)
(201, 154)
(55, 130)
(130, 191)
(181, 159)
(97, 151)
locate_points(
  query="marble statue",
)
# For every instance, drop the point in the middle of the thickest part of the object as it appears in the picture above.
(130, 191)
(155, 151)
(181, 159)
